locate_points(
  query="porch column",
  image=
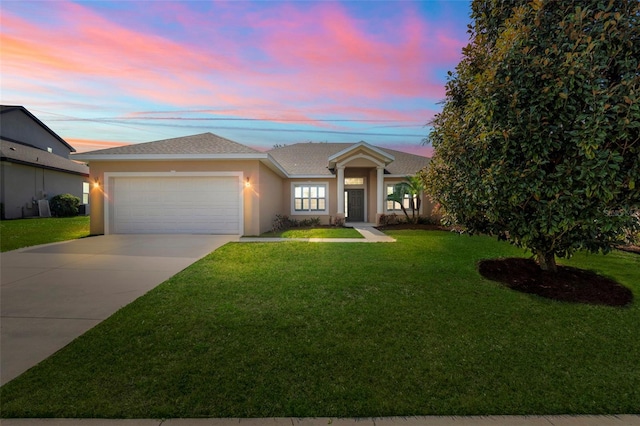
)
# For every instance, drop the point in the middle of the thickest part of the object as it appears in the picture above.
(340, 191)
(380, 188)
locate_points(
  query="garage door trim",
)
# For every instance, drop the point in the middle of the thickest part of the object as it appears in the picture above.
(110, 176)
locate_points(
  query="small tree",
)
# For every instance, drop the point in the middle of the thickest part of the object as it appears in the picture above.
(539, 138)
(410, 189)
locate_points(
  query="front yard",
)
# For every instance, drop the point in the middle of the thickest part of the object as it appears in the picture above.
(19, 233)
(300, 329)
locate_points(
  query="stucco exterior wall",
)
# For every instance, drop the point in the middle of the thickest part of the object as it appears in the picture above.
(20, 127)
(270, 196)
(21, 184)
(249, 168)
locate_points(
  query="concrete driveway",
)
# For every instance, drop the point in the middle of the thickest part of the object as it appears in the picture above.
(51, 294)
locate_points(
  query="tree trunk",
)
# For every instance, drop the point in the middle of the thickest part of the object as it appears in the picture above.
(547, 261)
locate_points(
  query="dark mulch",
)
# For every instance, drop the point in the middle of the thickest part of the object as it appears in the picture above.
(567, 285)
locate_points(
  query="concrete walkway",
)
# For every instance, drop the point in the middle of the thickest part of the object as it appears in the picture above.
(622, 420)
(368, 232)
(51, 294)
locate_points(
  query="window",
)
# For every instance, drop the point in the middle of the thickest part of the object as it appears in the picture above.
(85, 192)
(393, 205)
(309, 198)
(354, 181)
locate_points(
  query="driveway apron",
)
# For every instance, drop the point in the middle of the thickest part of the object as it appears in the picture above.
(51, 294)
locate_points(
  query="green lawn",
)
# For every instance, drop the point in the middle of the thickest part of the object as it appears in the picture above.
(315, 233)
(15, 234)
(302, 329)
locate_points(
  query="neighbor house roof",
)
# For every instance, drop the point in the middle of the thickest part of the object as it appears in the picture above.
(8, 108)
(202, 146)
(312, 159)
(22, 154)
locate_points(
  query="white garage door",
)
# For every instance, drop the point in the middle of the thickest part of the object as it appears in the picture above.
(173, 205)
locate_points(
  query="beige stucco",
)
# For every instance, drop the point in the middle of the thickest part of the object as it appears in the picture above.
(270, 198)
(250, 169)
(266, 195)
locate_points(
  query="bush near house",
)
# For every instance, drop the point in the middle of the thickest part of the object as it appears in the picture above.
(64, 205)
(284, 222)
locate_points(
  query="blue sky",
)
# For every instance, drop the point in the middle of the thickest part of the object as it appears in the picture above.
(102, 74)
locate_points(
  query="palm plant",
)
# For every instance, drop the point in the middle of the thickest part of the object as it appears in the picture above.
(412, 186)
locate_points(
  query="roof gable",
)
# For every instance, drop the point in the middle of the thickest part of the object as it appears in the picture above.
(361, 149)
(201, 146)
(6, 110)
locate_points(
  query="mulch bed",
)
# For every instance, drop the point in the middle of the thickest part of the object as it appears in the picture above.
(567, 285)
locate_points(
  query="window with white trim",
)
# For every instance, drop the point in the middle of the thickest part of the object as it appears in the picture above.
(393, 206)
(85, 192)
(310, 197)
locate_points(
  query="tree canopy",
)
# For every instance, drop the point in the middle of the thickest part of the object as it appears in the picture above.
(538, 141)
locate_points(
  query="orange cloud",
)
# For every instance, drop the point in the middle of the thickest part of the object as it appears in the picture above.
(286, 62)
(84, 145)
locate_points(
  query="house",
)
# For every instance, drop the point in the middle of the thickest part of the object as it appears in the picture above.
(208, 184)
(35, 164)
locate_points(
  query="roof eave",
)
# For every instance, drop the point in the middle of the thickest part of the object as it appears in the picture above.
(44, 166)
(312, 177)
(168, 157)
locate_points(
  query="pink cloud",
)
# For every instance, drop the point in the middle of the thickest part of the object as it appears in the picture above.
(284, 61)
(417, 149)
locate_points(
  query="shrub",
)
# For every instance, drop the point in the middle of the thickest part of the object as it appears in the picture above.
(64, 205)
(309, 222)
(283, 222)
(389, 219)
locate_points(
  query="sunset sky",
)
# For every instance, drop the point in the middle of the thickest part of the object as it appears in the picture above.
(106, 73)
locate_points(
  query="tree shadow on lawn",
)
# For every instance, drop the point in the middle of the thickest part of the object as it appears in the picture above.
(567, 285)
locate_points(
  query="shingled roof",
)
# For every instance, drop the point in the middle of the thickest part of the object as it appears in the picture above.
(23, 154)
(202, 144)
(311, 159)
(302, 159)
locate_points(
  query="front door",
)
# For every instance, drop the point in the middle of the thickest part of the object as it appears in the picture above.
(355, 205)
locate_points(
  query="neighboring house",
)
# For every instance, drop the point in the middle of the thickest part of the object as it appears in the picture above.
(208, 184)
(35, 164)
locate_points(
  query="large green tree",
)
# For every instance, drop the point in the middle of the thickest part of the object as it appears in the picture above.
(538, 141)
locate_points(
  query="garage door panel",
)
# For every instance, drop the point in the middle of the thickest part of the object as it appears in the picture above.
(202, 204)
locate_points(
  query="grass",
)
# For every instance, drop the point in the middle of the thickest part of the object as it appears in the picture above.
(315, 233)
(301, 329)
(19, 233)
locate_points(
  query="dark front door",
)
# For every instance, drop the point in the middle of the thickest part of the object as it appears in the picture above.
(355, 205)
